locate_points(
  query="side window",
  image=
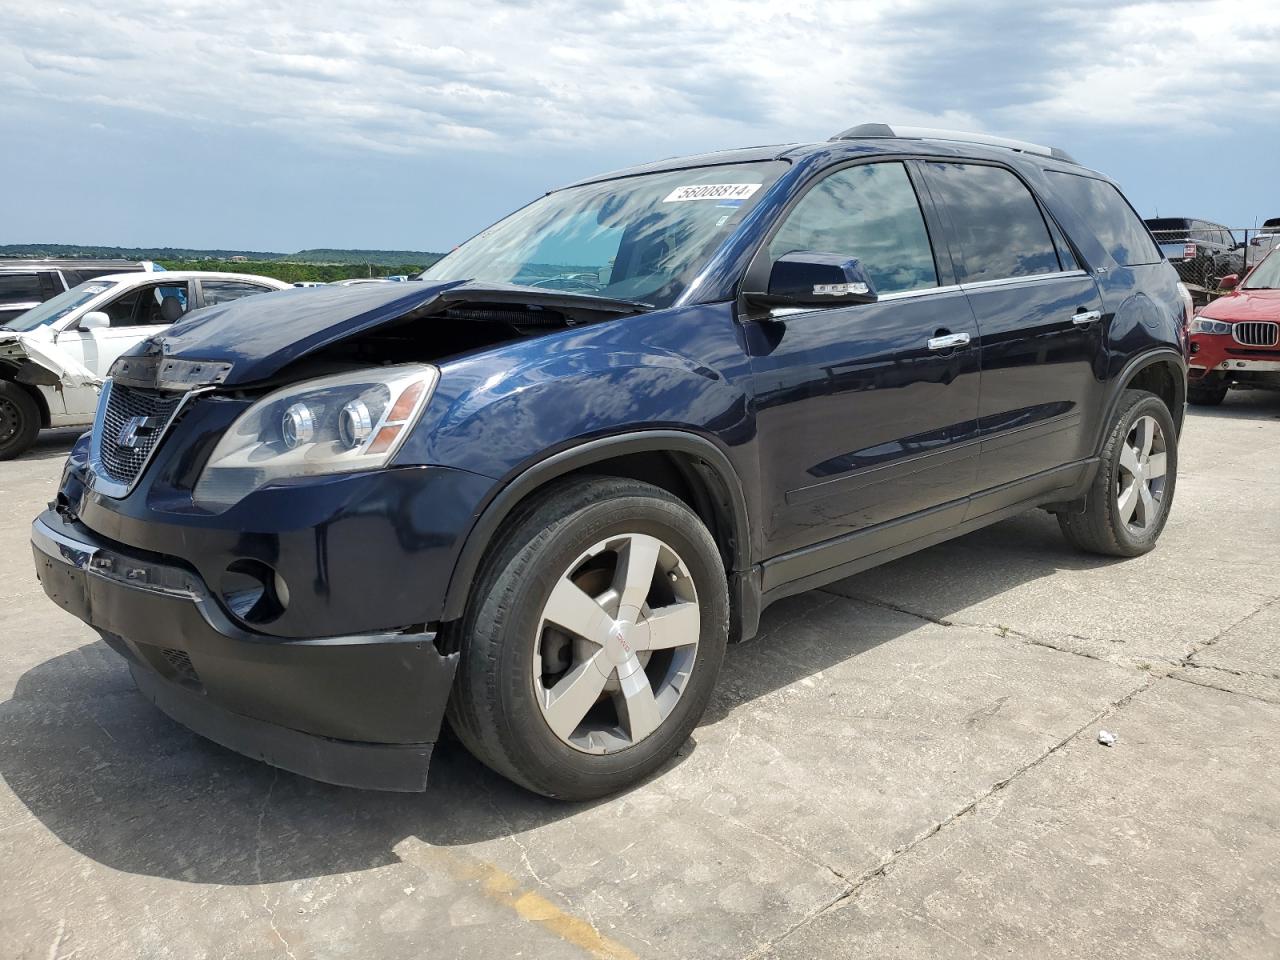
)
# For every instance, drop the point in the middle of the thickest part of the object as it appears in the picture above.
(122, 309)
(997, 222)
(145, 306)
(1117, 227)
(224, 291)
(20, 288)
(870, 212)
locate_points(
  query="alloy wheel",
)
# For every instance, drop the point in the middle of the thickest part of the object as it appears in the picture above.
(616, 643)
(1140, 482)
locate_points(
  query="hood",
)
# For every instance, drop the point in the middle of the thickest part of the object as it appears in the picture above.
(251, 339)
(1245, 305)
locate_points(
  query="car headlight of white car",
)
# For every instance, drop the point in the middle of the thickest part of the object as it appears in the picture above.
(338, 424)
(1205, 325)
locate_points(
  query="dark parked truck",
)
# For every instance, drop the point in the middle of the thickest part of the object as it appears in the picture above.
(537, 492)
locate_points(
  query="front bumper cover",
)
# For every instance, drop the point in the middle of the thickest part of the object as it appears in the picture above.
(361, 711)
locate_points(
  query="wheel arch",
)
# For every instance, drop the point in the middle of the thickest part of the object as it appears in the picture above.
(1162, 372)
(8, 373)
(685, 464)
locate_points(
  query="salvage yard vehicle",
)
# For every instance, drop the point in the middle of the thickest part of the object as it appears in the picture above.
(1201, 251)
(28, 283)
(1235, 340)
(53, 357)
(317, 522)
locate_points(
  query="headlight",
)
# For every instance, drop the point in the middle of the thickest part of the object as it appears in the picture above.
(1205, 325)
(339, 424)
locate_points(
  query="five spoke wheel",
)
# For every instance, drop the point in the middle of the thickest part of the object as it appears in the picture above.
(1140, 482)
(616, 643)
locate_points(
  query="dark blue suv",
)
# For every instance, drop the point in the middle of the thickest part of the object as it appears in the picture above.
(539, 490)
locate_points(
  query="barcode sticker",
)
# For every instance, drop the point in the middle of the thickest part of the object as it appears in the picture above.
(712, 191)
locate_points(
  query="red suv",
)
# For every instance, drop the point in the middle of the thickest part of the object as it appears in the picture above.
(1235, 340)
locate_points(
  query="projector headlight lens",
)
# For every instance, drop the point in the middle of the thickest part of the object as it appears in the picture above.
(338, 424)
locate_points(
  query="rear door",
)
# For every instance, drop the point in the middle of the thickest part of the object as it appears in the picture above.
(861, 422)
(1040, 324)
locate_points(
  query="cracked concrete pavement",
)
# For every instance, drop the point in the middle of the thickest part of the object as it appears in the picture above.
(905, 763)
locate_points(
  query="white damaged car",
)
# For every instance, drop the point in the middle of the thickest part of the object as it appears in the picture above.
(54, 357)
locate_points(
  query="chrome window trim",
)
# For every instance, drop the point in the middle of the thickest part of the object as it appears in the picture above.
(112, 488)
(946, 288)
(919, 292)
(1033, 278)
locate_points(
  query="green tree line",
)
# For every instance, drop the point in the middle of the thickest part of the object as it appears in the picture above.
(296, 272)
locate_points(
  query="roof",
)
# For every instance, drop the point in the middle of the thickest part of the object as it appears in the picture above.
(850, 145)
(63, 263)
(140, 277)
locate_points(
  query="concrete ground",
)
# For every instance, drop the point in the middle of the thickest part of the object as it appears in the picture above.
(905, 764)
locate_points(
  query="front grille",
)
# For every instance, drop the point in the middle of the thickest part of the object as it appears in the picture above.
(145, 414)
(1255, 334)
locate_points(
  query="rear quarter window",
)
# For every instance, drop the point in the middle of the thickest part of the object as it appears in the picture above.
(20, 287)
(1105, 209)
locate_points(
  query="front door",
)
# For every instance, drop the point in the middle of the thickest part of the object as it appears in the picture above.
(136, 314)
(860, 420)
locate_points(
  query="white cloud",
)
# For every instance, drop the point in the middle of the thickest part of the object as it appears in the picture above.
(399, 77)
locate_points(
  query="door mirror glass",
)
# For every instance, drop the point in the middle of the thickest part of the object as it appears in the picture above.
(809, 279)
(94, 320)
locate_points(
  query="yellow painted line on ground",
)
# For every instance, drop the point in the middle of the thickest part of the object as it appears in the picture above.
(503, 889)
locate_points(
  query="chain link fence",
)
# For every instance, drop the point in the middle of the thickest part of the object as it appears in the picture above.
(1203, 253)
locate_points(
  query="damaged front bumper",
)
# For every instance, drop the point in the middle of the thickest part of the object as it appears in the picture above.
(360, 711)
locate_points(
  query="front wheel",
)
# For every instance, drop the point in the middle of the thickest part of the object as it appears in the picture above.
(19, 420)
(1129, 500)
(592, 640)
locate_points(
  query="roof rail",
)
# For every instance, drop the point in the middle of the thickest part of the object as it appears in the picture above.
(871, 131)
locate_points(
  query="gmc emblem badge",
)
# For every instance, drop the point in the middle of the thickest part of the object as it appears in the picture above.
(134, 429)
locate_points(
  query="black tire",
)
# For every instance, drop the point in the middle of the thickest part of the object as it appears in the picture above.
(1099, 528)
(493, 708)
(1207, 396)
(19, 420)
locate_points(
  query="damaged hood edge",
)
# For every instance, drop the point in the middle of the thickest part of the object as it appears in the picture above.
(249, 340)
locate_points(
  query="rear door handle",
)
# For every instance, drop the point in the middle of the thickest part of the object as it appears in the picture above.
(1086, 317)
(949, 341)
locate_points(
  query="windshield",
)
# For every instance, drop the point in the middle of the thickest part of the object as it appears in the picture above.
(639, 238)
(1266, 275)
(53, 310)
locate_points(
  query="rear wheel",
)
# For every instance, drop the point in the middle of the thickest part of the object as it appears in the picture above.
(592, 640)
(19, 420)
(1128, 503)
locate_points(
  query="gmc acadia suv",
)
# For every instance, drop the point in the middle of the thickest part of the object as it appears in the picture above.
(537, 492)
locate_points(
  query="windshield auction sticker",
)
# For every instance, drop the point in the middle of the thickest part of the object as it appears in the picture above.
(712, 191)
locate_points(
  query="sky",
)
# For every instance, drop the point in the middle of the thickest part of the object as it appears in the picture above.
(275, 125)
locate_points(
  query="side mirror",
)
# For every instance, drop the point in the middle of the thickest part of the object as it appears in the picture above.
(1229, 282)
(94, 320)
(808, 279)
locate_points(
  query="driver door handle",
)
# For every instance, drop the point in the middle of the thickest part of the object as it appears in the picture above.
(949, 341)
(1086, 316)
